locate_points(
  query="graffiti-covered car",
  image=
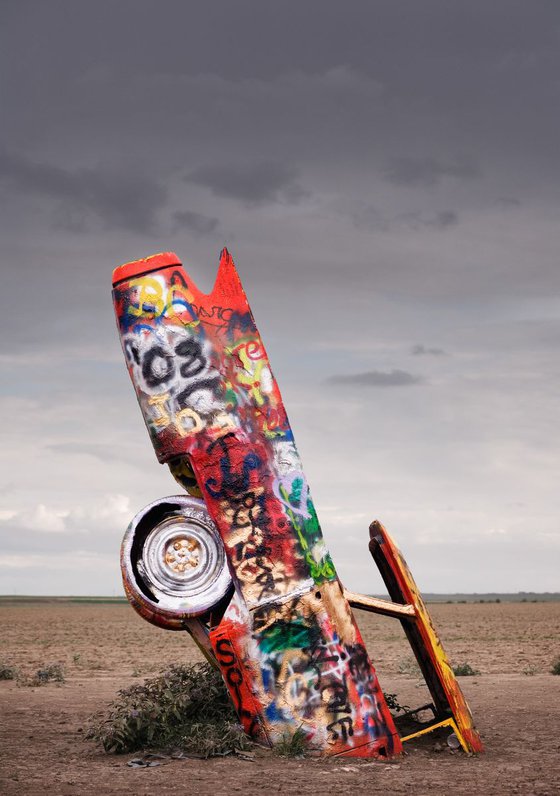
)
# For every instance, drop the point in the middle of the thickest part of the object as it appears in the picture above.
(240, 561)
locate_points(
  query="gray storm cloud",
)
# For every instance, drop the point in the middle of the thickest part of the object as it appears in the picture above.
(117, 199)
(386, 177)
(253, 184)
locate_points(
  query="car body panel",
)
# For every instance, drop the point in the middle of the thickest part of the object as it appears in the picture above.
(449, 701)
(288, 645)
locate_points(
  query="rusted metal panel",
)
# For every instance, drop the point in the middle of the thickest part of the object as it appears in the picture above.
(288, 645)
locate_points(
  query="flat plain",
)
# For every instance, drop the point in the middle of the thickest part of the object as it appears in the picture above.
(104, 647)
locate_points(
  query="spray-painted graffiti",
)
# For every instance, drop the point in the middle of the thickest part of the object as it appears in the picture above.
(288, 646)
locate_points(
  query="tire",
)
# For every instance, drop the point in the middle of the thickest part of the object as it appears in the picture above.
(173, 562)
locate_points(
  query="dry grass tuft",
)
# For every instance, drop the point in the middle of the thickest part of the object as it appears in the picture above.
(184, 708)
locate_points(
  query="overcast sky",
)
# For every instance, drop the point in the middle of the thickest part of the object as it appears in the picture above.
(387, 178)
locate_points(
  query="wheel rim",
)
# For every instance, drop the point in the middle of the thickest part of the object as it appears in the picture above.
(181, 559)
(173, 560)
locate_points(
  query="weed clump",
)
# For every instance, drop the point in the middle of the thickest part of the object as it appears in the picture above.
(555, 667)
(394, 704)
(464, 670)
(185, 707)
(51, 673)
(530, 670)
(8, 672)
(294, 745)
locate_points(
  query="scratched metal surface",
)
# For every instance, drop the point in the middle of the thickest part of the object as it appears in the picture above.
(289, 648)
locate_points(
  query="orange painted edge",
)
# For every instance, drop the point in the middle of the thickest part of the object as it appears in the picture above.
(143, 266)
(226, 285)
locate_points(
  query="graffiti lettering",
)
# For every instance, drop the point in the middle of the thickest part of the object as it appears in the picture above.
(190, 352)
(345, 728)
(157, 366)
(192, 399)
(226, 657)
(237, 483)
(232, 484)
(161, 417)
(152, 299)
(292, 652)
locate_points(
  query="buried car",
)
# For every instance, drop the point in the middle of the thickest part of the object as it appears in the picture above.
(240, 561)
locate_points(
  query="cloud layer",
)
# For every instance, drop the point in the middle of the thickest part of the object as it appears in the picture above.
(253, 184)
(378, 378)
(388, 185)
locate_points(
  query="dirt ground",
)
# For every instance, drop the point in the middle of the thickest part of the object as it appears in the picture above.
(515, 701)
